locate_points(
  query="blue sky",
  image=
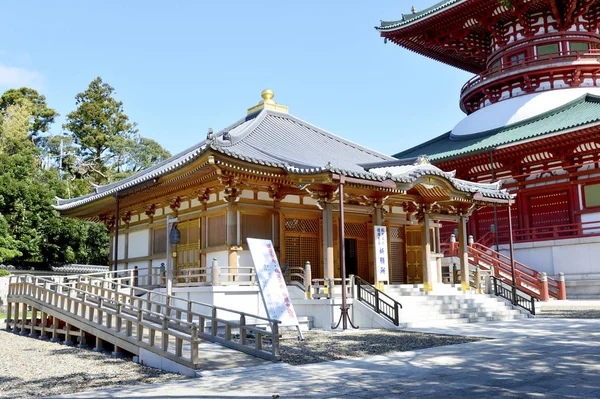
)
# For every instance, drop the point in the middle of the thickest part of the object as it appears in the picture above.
(181, 67)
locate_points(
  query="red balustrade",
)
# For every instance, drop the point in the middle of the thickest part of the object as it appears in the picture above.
(526, 279)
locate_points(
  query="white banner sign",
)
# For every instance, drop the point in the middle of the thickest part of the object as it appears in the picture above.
(271, 282)
(381, 253)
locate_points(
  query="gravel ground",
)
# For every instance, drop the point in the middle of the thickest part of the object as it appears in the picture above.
(323, 346)
(33, 368)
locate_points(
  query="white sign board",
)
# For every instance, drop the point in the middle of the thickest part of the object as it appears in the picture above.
(271, 282)
(381, 254)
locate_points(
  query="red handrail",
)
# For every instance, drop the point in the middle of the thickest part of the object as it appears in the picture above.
(533, 60)
(526, 279)
(553, 232)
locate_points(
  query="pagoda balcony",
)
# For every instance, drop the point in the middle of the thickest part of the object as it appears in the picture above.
(535, 68)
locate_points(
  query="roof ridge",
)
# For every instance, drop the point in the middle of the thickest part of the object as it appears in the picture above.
(334, 136)
(406, 18)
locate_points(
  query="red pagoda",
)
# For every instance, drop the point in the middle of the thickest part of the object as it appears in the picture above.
(533, 122)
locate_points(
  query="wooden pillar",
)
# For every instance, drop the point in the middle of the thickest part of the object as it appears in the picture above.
(43, 324)
(24, 318)
(32, 332)
(54, 330)
(9, 306)
(428, 272)
(463, 254)
(328, 241)
(233, 237)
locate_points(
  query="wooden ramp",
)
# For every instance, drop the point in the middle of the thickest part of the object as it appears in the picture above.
(164, 331)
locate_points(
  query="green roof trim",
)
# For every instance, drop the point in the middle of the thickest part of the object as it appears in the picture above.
(581, 111)
(406, 18)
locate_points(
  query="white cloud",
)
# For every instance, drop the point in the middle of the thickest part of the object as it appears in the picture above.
(15, 77)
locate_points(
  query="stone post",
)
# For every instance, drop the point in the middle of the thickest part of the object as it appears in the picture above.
(562, 287)
(215, 272)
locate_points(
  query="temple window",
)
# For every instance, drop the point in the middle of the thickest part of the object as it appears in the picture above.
(516, 59)
(591, 195)
(579, 47)
(547, 50)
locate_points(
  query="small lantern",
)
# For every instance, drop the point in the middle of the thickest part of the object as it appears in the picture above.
(492, 228)
(175, 236)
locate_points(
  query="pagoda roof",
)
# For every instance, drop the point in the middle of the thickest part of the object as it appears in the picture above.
(582, 111)
(412, 17)
(277, 139)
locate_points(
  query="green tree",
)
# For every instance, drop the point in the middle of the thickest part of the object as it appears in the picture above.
(41, 116)
(14, 127)
(97, 125)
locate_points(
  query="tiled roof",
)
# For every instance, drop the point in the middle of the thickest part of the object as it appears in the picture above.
(281, 140)
(582, 111)
(266, 138)
(407, 18)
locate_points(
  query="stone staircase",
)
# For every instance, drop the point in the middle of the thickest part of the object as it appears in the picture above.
(448, 306)
(583, 286)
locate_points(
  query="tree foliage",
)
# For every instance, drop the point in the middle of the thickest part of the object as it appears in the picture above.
(41, 116)
(36, 167)
(101, 130)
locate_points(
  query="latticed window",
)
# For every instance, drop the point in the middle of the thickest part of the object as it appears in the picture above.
(302, 225)
(302, 244)
(355, 230)
(397, 249)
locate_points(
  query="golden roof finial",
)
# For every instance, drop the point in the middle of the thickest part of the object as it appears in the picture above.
(267, 103)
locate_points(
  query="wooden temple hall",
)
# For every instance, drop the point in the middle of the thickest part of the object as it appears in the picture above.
(274, 176)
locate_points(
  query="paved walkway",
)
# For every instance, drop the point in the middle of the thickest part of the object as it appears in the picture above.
(547, 358)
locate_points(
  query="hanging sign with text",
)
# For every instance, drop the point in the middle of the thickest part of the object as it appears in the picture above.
(381, 254)
(273, 289)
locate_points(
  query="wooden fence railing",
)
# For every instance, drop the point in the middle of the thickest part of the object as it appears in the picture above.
(143, 318)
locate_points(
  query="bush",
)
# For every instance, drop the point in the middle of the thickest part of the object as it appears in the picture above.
(4, 273)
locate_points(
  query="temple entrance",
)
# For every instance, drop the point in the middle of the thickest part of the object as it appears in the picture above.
(351, 256)
(414, 250)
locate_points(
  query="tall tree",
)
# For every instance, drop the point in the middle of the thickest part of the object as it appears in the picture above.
(97, 125)
(41, 116)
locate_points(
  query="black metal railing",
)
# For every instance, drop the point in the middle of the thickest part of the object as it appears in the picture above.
(378, 301)
(514, 295)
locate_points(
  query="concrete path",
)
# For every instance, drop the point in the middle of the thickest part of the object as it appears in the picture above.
(537, 358)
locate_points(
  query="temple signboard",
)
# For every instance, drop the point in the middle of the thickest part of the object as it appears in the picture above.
(381, 254)
(271, 282)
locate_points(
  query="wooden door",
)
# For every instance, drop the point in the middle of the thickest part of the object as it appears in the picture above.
(414, 250)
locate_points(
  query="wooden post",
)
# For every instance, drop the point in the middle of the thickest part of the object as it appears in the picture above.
(194, 345)
(429, 273)
(214, 323)
(54, 330)
(140, 326)
(243, 329)
(43, 325)
(67, 340)
(99, 345)
(328, 240)
(9, 306)
(24, 317)
(463, 254)
(165, 335)
(32, 332)
(307, 280)
(275, 339)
